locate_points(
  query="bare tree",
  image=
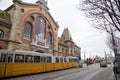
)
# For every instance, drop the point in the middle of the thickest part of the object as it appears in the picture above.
(109, 42)
(113, 42)
(103, 14)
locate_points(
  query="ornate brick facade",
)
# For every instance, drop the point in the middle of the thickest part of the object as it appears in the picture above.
(21, 16)
(66, 46)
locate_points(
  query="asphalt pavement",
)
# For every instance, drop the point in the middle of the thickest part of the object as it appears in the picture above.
(91, 72)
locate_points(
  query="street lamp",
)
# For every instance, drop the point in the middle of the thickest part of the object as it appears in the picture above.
(114, 44)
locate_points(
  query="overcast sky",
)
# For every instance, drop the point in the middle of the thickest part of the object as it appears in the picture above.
(91, 41)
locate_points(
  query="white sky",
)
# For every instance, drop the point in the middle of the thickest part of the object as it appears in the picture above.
(91, 41)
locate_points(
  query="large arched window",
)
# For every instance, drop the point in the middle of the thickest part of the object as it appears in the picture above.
(40, 27)
(27, 30)
(1, 34)
(49, 39)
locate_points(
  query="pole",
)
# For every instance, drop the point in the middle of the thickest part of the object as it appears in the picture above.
(84, 57)
(114, 48)
(114, 44)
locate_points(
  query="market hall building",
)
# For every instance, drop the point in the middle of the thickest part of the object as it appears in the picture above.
(30, 27)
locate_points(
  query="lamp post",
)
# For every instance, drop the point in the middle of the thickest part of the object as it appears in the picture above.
(114, 48)
(114, 44)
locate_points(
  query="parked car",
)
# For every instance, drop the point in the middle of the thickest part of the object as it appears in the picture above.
(109, 62)
(116, 67)
(103, 64)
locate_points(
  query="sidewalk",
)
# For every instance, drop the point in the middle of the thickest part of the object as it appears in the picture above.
(118, 77)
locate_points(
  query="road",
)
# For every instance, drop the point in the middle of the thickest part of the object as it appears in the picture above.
(92, 72)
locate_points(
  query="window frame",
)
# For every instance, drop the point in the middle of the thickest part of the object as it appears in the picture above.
(41, 26)
(28, 34)
(49, 42)
(1, 34)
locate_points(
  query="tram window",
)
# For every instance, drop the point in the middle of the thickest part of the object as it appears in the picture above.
(43, 59)
(65, 60)
(3, 57)
(36, 58)
(57, 59)
(0, 58)
(48, 59)
(70, 60)
(28, 58)
(61, 59)
(19, 58)
(75, 60)
(10, 58)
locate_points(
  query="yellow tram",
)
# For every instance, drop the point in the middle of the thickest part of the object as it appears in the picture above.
(20, 62)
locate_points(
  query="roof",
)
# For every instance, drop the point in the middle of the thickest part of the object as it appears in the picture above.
(31, 53)
(66, 35)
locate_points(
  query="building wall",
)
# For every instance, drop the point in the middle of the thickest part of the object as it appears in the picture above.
(66, 46)
(21, 13)
(5, 28)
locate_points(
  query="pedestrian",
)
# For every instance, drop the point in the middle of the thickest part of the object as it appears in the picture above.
(87, 62)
